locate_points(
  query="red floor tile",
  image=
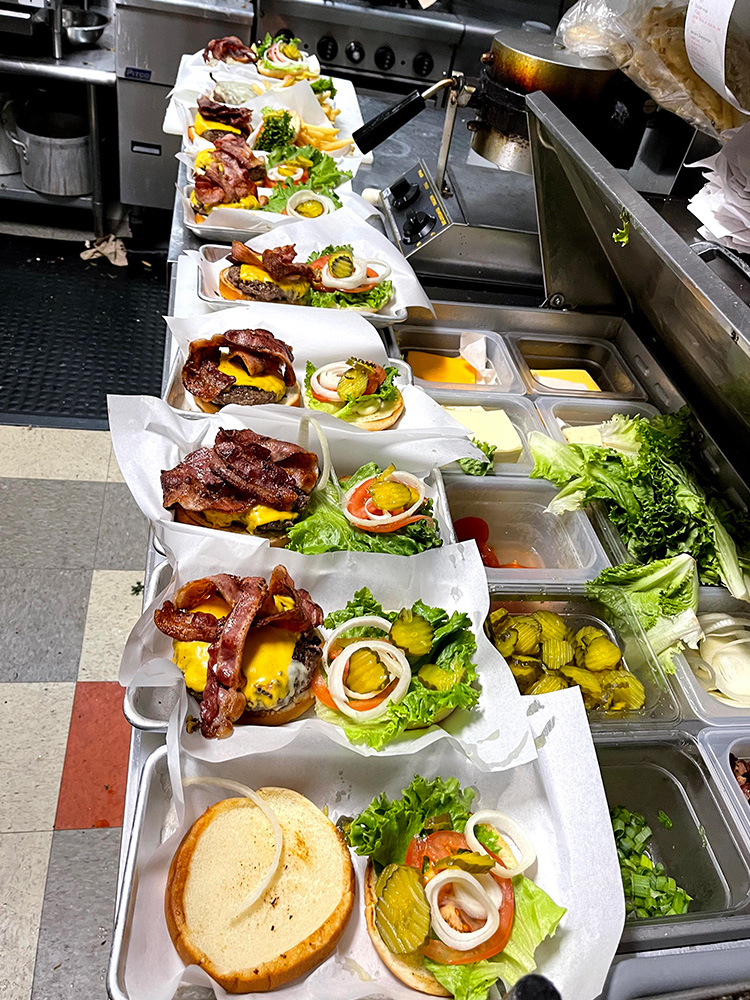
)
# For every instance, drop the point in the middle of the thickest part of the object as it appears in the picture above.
(92, 792)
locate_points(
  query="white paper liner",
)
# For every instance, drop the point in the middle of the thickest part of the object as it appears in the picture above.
(473, 349)
(723, 204)
(558, 798)
(494, 734)
(239, 223)
(340, 228)
(148, 437)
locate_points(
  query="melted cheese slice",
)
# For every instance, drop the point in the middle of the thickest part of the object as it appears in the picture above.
(201, 125)
(192, 657)
(438, 368)
(251, 519)
(204, 159)
(565, 378)
(265, 662)
(270, 383)
(249, 272)
(492, 426)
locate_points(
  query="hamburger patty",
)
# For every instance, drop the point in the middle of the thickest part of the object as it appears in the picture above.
(244, 395)
(260, 291)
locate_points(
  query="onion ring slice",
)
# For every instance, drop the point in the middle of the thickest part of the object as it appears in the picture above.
(461, 941)
(504, 826)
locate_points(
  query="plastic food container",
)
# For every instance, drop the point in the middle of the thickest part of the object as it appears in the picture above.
(661, 707)
(446, 341)
(558, 549)
(599, 358)
(717, 744)
(522, 413)
(581, 412)
(704, 851)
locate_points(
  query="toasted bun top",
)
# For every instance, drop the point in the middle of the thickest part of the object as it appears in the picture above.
(408, 968)
(299, 919)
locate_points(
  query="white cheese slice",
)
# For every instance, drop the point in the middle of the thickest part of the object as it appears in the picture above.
(586, 434)
(492, 426)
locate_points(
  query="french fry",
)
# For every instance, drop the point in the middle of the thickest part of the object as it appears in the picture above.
(257, 88)
(327, 147)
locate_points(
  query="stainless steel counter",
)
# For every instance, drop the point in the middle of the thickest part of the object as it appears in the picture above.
(94, 65)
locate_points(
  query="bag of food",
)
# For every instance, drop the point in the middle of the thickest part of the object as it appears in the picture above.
(646, 40)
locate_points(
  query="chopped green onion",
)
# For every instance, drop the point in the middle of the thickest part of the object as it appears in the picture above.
(665, 821)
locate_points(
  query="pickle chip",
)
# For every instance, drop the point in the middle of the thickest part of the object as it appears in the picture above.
(440, 678)
(366, 674)
(402, 913)
(412, 633)
(341, 265)
(468, 861)
(352, 384)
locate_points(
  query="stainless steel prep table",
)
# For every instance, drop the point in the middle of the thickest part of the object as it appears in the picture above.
(633, 975)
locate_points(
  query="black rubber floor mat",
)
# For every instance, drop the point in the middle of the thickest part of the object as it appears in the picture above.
(71, 331)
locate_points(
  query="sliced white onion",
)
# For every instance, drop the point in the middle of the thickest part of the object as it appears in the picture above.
(364, 621)
(394, 661)
(278, 836)
(300, 196)
(274, 174)
(324, 381)
(449, 935)
(509, 830)
(397, 477)
(715, 623)
(326, 452)
(359, 275)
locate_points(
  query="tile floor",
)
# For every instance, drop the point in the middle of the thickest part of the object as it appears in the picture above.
(72, 547)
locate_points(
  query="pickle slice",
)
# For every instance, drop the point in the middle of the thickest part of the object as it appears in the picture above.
(553, 626)
(525, 674)
(440, 678)
(505, 644)
(352, 384)
(402, 913)
(601, 654)
(548, 684)
(390, 495)
(366, 672)
(412, 633)
(341, 265)
(310, 209)
(557, 652)
(443, 821)
(586, 681)
(383, 878)
(468, 861)
(529, 632)
(497, 623)
(587, 634)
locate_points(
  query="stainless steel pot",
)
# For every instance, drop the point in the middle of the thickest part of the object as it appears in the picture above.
(55, 153)
(9, 160)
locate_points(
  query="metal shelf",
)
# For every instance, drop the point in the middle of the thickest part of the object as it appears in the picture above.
(13, 188)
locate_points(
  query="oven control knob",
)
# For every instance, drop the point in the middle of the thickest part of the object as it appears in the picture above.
(417, 226)
(385, 57)
(327, 48)
(403, 193)
(423, 64)
(354, 52)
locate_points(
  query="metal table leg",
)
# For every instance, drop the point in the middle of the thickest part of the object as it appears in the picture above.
(97, 202)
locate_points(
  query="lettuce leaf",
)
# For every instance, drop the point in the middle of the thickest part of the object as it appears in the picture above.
(386, 393)
(475, 466)
(323, 84)
(362, 603)
(385, 828)
(373, 300)
(536, 917)
(324, 527)
(283, 192)
(324, 172)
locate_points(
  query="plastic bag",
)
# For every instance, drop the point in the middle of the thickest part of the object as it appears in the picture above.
(646, 40)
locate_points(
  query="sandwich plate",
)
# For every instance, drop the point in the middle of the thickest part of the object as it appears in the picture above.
(567, 821)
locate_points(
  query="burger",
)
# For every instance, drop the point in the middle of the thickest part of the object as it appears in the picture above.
(214, 120)
(244, 483)
(448, 906)
(334, 278)
(227, 176)
(246, 367)
(360, 392)
(248, 649)
(284, 57)
(260, 889)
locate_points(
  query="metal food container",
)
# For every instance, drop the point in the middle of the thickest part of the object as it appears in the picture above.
(578, 412)
(600, 359)
(446, 340)
(564, 547)
(704, 850)
(661, 707)
(717, 744)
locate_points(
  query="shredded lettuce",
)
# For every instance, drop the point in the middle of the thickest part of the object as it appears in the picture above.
(324, 172)
(386, 393)
(324, 527)
(276, 130)
(453, 648)
(384, 830)
(647, 474)
(661, 597)
(535, 918)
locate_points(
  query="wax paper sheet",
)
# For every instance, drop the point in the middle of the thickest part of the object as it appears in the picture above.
(149, 436)
(494, 733)
(311, 235)
(557, 797)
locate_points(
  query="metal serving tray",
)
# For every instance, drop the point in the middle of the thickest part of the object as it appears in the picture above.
(598, 357)
(445, 339)
(661, 708)
(149, 708)
(704, 851)
(213, 252)
(514, 509)
(522, 413)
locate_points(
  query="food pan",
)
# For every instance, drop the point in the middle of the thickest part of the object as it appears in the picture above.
(446, 340)
(522, 413)
(708, 972)
(599, 358)
(661, 707)
(717, 744)
(583, 411)
(704, 850)
(562, 549)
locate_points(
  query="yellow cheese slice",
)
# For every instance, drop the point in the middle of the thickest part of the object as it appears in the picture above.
(565, 378)
(438, 368)
(270, 383)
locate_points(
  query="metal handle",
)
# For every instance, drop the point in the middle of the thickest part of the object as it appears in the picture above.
(17, 142)
(706, 246)
(533, 988)
(382, 127)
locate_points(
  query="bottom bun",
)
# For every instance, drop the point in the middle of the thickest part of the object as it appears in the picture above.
(227, 290)
(297, 922)
(408, 968)
(383, 422)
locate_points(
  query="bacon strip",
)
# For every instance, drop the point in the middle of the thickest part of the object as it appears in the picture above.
(187, 626)
(230, 47)
(279, 262)
(236, 117)
(258, 350)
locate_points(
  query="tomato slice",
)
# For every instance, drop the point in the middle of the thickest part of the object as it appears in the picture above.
(488, 555)
(436, 846)
(320, 263)
(356, 506)
(471, 527)
(322, 693)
